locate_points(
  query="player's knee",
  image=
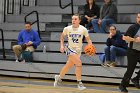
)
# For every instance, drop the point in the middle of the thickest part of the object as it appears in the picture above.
(79, 64)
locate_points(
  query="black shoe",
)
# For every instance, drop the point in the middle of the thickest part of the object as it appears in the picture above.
(123, 89)
(20, 60)
(136, 83)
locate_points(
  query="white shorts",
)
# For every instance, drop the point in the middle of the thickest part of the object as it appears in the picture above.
(70, 51)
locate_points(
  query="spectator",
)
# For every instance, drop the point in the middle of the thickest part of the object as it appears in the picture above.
(28, 40)
(108, 15)
(116, 46)
(133, 55)
(91, 11)
(74, 33)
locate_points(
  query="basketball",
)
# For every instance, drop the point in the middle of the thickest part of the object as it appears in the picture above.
(90, 50)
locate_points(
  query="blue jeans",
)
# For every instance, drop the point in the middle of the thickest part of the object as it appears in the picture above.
(112, 51)
(104, 24)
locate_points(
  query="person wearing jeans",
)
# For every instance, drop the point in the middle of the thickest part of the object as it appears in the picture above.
(111, 52)
(116, 46)
(108, 15)
(102, 28)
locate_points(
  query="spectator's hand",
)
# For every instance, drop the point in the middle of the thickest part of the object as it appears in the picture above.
(62, 49)
(29, 43)
(23, 46)
(88, 18)
(110, 35)
(99, 21)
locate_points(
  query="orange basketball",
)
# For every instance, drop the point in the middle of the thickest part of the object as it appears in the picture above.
(90, 50)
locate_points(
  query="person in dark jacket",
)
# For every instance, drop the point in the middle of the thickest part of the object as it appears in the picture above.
(133, 55)
(91, 11)
(116, 46)
(108, 15)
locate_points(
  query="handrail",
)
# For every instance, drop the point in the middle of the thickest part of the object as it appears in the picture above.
(63, 7)
(23, 4)
(3, 48)
(37, 20)
(6, 6)
(10, 4)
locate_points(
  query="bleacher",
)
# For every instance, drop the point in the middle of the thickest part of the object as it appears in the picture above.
(52, 21)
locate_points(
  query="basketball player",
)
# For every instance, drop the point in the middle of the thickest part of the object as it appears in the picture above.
(73, 49)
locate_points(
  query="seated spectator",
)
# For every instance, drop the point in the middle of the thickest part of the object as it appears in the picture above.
(91, 11)
(116, 46)
(28, 40)
(108, 15)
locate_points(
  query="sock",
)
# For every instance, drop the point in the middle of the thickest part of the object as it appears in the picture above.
(79, 81)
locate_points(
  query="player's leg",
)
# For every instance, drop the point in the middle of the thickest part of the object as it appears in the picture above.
(78, 71)
(64, 70)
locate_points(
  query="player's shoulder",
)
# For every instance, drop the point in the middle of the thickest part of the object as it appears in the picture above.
(68, 27)
(82, 28)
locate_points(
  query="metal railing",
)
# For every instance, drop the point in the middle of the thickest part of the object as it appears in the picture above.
(9, 6)
(63, 7)
(7, 9)
(3, 48)
(22, 3)
(36, 21)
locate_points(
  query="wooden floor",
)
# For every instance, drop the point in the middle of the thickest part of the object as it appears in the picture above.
(22, 85)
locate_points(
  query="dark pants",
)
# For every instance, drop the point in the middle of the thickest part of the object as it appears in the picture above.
(85, 23)
(133, 58)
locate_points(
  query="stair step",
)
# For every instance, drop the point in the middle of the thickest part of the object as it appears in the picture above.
(59, 26)
(19, 26)
(127, 2)
(49, 9)
(42, 18)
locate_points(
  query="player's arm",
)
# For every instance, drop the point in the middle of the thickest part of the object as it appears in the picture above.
(62, 43)
(88, 40)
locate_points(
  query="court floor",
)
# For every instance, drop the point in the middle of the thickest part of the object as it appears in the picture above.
(24, 85)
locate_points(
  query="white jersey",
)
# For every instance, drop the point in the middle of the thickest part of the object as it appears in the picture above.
(75, 36)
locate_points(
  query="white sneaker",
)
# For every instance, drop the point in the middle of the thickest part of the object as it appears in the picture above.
(57, 80)
(16, 60)
(23, 61)
(81, 86)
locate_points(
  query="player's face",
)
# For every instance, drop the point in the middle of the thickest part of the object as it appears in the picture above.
(75, 21)
(28, 27)
(138, 18)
